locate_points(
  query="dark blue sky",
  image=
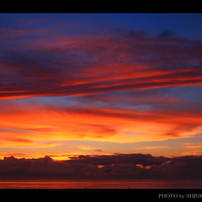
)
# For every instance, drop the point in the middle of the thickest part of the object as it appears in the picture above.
(184, 24)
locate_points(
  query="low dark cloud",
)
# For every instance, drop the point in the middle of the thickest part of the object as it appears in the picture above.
(42, 167)
(144, 159)
(103, 166)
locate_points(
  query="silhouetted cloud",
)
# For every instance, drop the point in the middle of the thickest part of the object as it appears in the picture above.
(180, 167)
(104, 166)
(144, 159)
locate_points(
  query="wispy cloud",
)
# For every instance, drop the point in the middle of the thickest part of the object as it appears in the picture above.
(153, 147)
(108, 124)
(98, 63)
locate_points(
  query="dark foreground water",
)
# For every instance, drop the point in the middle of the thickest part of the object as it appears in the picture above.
(101, 184)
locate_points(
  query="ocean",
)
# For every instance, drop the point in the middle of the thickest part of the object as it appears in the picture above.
(101, 184)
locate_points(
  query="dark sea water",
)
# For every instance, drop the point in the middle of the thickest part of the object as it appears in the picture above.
(101, 184)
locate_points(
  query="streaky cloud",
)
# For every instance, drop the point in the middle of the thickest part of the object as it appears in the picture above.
(97, 63)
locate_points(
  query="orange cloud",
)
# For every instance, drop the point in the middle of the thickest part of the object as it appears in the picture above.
(34, 123)
(194, 146)
(153, 147)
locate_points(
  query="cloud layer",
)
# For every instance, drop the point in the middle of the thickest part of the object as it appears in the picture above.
(116, 166)
(62, 82)
(28, 123)
(95, 63)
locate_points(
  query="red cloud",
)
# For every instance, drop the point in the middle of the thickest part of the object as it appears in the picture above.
(93, 64)
(11, 139)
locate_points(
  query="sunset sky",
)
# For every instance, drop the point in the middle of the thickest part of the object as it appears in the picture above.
(100, 84)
